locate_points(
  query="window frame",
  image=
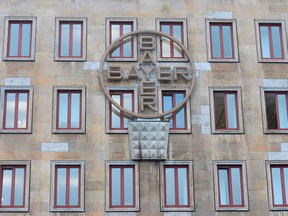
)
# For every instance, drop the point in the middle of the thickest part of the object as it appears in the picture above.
(121, 20)
(26, 194)
(187, 107)
(82, 90)
(263, 91)
(230, 164)
(171, 21)
(17, 89)
(108, 118)
(53, 185)
(57, 43)
(19, 19)
(190, 186)
(269, 165)
(283, 38)
(238, 105)
(234, 40)
(124, 208)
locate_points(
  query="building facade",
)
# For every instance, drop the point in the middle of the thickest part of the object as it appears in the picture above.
(144, 107)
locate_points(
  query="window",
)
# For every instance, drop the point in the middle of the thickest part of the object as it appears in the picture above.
(225, 103)
(125, 50)
(19, 38)
(222, 40)
(67, 189)
(275, 108)
(277, 175)
(70, 39)
(177, 120)
(17, 109)
(169, 50)
(271, 40)
(118, 120)
(14, 185)
(230, 185)
(176, 186)
(70, 110)
(123, 186)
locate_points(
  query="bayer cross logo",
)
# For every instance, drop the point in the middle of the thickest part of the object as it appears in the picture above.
(147, 74)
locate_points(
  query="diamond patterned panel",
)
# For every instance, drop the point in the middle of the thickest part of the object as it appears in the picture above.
(148, 140)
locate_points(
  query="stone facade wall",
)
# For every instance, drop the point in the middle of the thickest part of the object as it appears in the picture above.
(96, 146)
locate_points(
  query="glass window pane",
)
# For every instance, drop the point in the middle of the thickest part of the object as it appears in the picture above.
(223, 187)
(180, 115)
(271, 115)
(127, 47)
(65, 40)
(285, 170)
(115, 114)
(22, 110)
(115, 187)
(219, 109)
(75, 110)
(215, 40)
(182, 186)
(276, 42)
(227, 41)
(74, 187)
(61, 187)
(14, 39)
(63, 110)
(26, 40)
(6, 187)
(170, 186)
(77, 33)
(236, 186)
(19, 187)
(167, 105)
(231, 110)
(10, 110)
(165, 42)
(177, 33)
(282, 111)
(265, 44)
(115, 33)
(277, 186)
(128, 186)
(129, 106)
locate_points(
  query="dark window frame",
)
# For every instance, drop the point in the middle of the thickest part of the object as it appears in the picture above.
(269, 25)
(228, 168)
(173, 115)
(69, 93)
(221, 24)
(121, 23)
(176, 167)
(276, 107)
(20, 22)
(122, 114)
(70, 23)
(225, 110)
(67, 167)
(172, 44)
(13, 168)
(122, 188)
